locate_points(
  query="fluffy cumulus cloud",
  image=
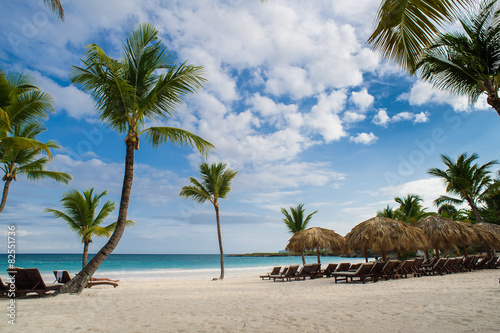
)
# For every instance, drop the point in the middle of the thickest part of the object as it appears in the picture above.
(362, 99)
(383, 119)
(428, 189)
(364, 138)
(422, 93)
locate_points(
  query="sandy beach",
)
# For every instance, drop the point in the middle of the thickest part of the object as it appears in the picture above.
(464, 302)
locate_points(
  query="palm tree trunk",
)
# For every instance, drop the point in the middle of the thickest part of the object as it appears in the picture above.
(494, 101)
(85, 253)
(5, 193)
(473, 206)
(78, 283)
(219, 234)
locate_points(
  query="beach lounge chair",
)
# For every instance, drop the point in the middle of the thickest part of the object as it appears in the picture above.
(29, 280)
(362, 273)
(354, 267)
(288, 274)
(4, 288)
(481, 262)
(276, 270)
(438, 268)
(417, 267)
(491, 263)
(466, 263)
(376, 270)
(406, 268)
(343, 267)
(390, 269)
(329, 270)
(64, 277)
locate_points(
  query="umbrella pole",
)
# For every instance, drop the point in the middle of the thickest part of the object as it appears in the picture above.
(384, 257)
(365, 250)
(399, 255)
(437, 251)
(488, 250)
(426, 253)
(465, 251)
(317, 253)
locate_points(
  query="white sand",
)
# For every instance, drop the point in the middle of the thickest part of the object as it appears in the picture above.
(464, 302)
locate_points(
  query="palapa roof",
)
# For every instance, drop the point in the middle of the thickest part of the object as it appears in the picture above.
(316, 238)
(445, 233)
(488, 233)
(384, 234)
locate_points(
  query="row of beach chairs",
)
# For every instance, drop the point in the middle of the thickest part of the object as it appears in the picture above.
(29, 280)
(374, 271)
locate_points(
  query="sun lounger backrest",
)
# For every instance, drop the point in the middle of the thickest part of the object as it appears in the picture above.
(27, 278)
(64, 277)
(3, 287)
(292, 270)
(364, 269)
(342, 267)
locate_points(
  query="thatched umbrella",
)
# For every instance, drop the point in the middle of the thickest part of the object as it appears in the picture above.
(444, 233)
(383, 234)
(316, 238)
(489, 234)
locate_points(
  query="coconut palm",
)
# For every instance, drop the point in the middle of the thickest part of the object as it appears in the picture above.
(56, 7)
(451, 212)
(410, 209)
(21, 103)
(405, 28)
(27, 162)
(295, 221)
(215, 184)
(144, 85)
(81, 215)
(387, 212)
(468, 63)
(470, 182)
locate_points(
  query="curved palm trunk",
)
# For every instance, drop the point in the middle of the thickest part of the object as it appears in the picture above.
(219, 234)
(5, 193)
(494, 101)
(473, 206)
(78, 283)
(85, 253)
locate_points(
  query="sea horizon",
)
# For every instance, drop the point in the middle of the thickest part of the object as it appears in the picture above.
(160, 266)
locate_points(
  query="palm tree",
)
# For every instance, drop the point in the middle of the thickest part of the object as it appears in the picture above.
(56, 7)
(470, 182)
(410, 209)
(82, 217)
(468, 63)
(145, 85)
(405, 28)
(295, 222)
(21, 103)
(387, 212)
(17, 161)
(215, 184)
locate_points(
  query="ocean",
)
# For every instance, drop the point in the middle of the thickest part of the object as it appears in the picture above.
(154, 266)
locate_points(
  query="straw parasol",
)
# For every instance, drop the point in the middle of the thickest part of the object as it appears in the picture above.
(489, 234)
(316, 238)
(383, 234)
(444, 233)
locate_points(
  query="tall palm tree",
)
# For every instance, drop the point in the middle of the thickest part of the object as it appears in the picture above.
(468, 63)
(17, 161)
(145, 85)
(81, 215)
(470, 182)
(295, 221)
(21, 103)
(215, 184)
(387, 212)
(405, 28)
(56, 7)
(410, 208)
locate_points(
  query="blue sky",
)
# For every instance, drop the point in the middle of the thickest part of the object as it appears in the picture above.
(295, 101)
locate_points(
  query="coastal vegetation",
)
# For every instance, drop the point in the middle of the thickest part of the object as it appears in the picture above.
(81, 215)
(144, 85)
(215, 184)
(23, 107)
(296, 221)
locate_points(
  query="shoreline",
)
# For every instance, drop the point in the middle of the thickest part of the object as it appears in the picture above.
(461, 302)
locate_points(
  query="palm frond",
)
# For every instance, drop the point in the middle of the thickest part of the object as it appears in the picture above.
(161, 135)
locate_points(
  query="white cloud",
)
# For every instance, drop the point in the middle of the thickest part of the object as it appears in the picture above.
(382, 119)
(428, 189)
(364, 138)
(353, 117)
(362, 99)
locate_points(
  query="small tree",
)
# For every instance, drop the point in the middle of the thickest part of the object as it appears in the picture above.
(296, 222)
(215, 184)
(82, 217)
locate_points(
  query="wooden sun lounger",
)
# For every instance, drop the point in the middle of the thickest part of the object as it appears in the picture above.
(288, 274)
(406, 268)
(390, 269)
(417, 267)
(329, 270)
(376, 271)
(4, 288)
(276, 270)
(343, 267)
(438, 268)
(64, 277)
(362, 273)
(29, 280)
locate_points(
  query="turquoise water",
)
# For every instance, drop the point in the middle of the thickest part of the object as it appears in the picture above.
(158, 265)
